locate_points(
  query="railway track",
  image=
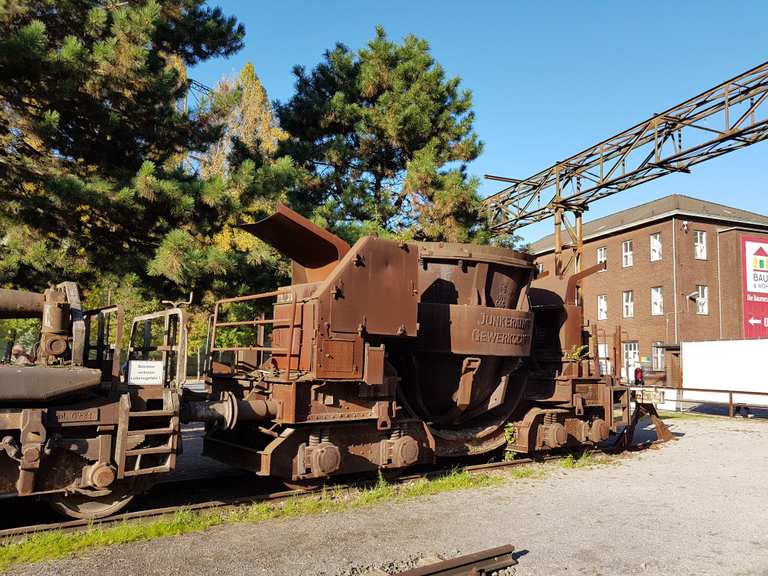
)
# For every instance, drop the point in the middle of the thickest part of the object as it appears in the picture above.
(67, 525)
(20, 532)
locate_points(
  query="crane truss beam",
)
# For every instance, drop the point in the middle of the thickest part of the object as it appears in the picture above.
(728, 117)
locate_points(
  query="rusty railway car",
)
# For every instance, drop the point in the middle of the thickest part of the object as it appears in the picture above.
(73, 430)
(70, 431)
(377, 356)
(387, 354)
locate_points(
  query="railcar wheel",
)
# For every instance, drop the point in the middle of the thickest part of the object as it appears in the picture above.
(84, 507)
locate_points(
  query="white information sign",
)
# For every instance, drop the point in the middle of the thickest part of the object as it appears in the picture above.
(145, 372)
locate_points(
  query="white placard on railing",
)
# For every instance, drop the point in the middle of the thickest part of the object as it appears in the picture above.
(145, 372)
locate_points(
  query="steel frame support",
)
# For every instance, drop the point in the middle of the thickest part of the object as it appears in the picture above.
(728, 117)
(568, 220)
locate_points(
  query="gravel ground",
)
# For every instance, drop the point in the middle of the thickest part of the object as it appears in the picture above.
(695, 506)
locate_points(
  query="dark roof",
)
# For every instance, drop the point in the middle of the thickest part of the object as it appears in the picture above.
(666, 207)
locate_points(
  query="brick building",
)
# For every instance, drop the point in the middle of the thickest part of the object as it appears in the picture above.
(674, 274)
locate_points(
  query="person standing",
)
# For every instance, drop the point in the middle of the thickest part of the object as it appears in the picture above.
(19, 356)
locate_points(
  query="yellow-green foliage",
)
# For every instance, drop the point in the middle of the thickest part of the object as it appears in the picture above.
(25, 331)
(533, 471)
(509, 435)
(576, 353)
(585, 460)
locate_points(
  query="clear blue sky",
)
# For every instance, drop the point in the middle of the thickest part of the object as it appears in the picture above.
(548, 78)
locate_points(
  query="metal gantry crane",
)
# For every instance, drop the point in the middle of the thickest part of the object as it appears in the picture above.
(730, 116)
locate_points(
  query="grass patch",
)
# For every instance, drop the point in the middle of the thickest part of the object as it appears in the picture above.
(58, 544)
(532, 471)
(509, 455)
(585, 460)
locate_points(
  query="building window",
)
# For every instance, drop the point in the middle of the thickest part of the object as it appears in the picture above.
(657, 301)
(702, 299)
(700, 244)
(656, 247)
(631, 360)
(602, 255)
(629, 304)
(602, 307)
(604, 359)
(626, 253)
(657, 357)
(540, 267)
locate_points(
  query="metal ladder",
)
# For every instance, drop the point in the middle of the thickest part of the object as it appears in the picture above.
(126, 431)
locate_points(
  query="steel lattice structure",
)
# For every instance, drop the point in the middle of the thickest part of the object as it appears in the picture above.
(728, 117)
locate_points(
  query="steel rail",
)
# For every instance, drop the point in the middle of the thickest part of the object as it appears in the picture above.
(648, 150)
(66, 525)
(10, 534)
(483, 562)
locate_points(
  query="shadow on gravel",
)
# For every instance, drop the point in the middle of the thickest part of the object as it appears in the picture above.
(740, 410)
(645, 431)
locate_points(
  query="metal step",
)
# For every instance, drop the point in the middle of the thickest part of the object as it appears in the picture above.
(142, 471)
(151, 414)
(150, 450)
(152, 431)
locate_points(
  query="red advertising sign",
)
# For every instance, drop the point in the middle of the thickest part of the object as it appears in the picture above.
(754, 258)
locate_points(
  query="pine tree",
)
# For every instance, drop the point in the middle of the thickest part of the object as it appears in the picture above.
(91, 132)
(250, 128)
(241, 179)
(386, 137)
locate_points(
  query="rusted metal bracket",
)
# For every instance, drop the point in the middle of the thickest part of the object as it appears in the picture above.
(33, 437)
(662, 432)
(469, 368)
(479, 563)
(383, 415)
(78, 321)
(571, 291)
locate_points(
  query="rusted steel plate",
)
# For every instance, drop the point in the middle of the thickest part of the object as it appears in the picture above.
(314, 250)
(475, 564)
(41, 383)
(476, 330)
(374, 289)
(10, 419)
